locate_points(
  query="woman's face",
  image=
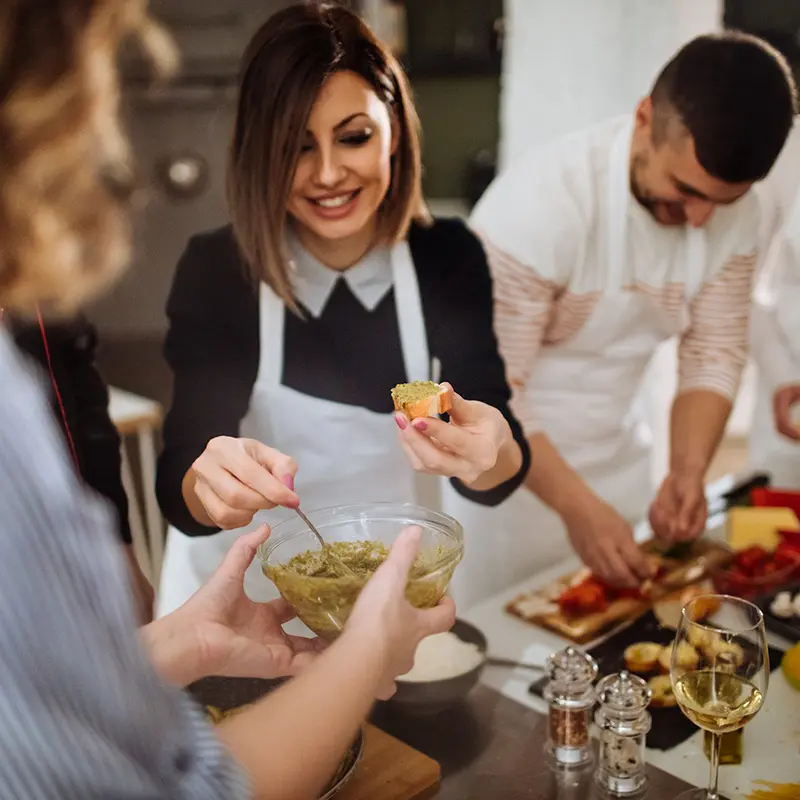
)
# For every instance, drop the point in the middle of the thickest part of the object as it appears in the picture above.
(344, 169)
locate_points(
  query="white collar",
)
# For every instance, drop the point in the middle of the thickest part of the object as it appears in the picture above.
(313, 282)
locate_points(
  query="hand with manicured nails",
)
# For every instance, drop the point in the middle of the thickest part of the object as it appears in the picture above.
(235, 478)
(466, 447)
(783, 401)
(383, 617)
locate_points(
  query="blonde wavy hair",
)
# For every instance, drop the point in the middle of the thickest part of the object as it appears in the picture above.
(65, 168)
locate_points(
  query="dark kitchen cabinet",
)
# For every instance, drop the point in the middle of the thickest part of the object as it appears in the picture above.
(453, 37)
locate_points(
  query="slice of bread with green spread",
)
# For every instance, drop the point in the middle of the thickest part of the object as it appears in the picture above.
(422, 399)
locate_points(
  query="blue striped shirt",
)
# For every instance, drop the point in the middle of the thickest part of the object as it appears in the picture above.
(82, 713)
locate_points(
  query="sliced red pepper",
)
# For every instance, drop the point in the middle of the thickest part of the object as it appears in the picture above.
(786, 556)
(588, 597)
(751, 560)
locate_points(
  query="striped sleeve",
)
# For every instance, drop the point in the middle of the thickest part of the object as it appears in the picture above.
(523, 307)
(712, 352)
(83, 715)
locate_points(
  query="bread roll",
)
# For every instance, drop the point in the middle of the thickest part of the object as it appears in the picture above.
(422, 399)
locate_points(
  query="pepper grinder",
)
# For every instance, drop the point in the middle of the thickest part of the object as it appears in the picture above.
(623, 721)
(570, 697)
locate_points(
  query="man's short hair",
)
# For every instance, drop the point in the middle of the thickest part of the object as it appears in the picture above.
(736, 97)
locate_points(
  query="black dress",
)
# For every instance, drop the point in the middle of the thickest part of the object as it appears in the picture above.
(346, 353)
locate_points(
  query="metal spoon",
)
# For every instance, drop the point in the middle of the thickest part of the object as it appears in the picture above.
(510, 662)
(322, 544)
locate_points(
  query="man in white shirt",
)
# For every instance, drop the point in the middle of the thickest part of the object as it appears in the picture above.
(603, 245)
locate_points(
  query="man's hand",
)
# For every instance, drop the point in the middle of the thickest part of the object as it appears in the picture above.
(220, 631)
(680, 510)
(783, 402)
(604, 541)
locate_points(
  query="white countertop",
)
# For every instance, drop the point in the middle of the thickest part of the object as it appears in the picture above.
(771, 741)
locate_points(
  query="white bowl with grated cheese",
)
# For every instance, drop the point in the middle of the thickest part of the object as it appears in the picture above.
(446, 667)
(443, 656)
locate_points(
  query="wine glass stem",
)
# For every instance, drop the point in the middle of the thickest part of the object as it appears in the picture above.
(713, 777)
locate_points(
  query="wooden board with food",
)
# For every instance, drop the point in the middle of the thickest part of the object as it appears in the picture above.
(580, 607)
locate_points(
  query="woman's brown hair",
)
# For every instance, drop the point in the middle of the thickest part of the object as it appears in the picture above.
(64, 165)
(283, 69)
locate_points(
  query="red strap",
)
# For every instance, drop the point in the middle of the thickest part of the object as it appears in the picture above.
(57, 392)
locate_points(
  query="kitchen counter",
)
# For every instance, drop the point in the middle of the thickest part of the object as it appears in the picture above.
(488, 746)
(771, 740)
(493, 747)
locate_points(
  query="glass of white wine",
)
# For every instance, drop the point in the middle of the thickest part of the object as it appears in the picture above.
(720, 670)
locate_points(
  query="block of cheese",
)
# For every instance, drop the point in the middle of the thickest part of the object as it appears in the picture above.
(746, 527)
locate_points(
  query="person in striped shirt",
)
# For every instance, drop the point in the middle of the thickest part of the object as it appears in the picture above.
(90, 708)
(606, 243)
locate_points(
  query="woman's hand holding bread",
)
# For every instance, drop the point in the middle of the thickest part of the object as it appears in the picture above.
(468, 447)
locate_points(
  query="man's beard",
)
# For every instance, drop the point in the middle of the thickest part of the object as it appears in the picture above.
(638, 190)
(664, 212)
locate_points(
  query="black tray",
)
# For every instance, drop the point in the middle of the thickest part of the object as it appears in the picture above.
(670, 726)
(788, 628)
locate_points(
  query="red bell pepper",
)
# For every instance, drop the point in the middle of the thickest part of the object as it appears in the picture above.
(751, 561)
(588, 597)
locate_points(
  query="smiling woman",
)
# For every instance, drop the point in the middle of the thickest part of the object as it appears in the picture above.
(344, 169)
(328, 221)
(89, 707)
(342, 114)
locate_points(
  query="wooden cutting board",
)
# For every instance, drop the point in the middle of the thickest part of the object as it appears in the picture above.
(587, 627)
(391, 770)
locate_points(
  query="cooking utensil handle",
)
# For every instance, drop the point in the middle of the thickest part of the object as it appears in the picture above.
(510, 662)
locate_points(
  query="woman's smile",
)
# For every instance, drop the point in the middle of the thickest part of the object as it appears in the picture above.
(335, 205)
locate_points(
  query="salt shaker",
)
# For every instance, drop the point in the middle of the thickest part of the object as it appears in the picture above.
(623, 721)
(570, 696)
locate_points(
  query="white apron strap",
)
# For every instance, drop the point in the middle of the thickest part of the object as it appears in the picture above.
(271, 318)
(410, 320)
(696, 254)
(618, 198)
(416, 356)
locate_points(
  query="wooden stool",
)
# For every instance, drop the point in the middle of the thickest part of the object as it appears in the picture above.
(141, 417)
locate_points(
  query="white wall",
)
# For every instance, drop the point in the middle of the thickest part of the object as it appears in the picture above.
(571, 63)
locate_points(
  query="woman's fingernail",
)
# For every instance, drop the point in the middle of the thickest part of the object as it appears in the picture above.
(401, 421)
(420, 424)
(289, 482)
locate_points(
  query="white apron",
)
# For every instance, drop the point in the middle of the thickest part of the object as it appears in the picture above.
(583, 395)
(768, 449)
(346, 454)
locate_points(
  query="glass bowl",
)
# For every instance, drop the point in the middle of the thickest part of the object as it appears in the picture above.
(750, 587)
(324, 603)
